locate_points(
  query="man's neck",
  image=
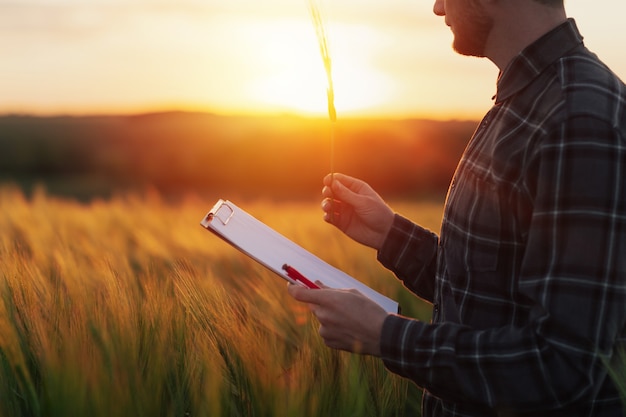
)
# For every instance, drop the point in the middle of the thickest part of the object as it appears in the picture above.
(517, 25)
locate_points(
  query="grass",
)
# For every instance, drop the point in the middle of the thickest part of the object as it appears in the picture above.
(128, 307)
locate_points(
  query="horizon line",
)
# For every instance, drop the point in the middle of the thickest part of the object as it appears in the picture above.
(234, 114)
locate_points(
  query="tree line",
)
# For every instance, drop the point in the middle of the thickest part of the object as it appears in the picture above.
(258, 157)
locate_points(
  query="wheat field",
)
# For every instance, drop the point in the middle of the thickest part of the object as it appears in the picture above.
(127, 307)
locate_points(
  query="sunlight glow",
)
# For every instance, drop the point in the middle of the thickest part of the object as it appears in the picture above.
(389, 59)
(297, 80)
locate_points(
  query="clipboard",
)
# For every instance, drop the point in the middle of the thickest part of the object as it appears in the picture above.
(273, 250)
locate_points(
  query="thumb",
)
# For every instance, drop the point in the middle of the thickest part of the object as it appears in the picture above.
(303, 294)
(321, 285)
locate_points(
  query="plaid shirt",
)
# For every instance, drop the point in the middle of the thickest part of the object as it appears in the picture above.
(527, 278)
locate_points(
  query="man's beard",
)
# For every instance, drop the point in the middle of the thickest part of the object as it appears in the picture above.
(470, 35)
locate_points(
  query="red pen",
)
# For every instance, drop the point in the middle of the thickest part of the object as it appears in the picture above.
(297, 276)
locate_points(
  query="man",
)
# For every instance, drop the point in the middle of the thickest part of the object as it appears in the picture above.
(527, 277)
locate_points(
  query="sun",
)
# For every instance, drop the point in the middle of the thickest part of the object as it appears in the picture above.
(295, 78)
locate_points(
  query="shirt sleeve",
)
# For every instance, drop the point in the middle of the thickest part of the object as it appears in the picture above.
(410, 252)
(571, 278)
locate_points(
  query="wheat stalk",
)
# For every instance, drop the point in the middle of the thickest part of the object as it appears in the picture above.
(322, 40)
(320, 30)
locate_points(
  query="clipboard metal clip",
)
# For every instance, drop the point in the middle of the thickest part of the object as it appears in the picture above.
(221, 211)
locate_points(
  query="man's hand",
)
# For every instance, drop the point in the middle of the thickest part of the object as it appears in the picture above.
(356, 209)
(348, 320)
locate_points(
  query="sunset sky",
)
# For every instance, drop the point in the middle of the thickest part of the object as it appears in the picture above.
(391, 58)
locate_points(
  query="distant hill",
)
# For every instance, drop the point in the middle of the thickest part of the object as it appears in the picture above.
(180, 152)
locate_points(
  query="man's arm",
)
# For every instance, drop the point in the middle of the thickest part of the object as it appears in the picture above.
(572, 279)
(410, 251)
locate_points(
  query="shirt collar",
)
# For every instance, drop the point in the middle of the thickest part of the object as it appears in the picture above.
(537, 57)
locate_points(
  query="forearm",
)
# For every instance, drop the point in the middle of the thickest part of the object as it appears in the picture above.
(410, 251)
(488, 368)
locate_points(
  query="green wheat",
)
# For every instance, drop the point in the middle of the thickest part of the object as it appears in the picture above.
(128, 307)
(322, 41)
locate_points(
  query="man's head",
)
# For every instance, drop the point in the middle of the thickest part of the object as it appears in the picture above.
(498, 29)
